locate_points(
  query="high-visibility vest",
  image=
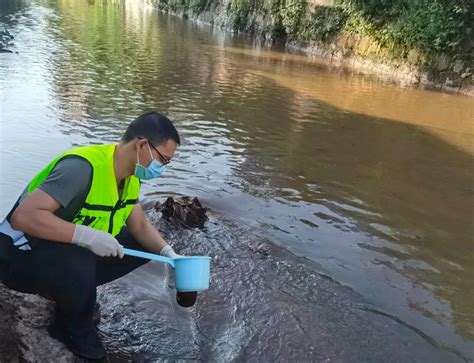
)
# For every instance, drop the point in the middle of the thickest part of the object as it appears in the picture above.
(104, 209)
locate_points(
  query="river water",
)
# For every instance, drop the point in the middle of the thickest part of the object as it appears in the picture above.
(341, 207)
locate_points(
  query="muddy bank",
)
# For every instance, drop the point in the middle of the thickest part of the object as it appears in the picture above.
(24, 319)
(329, 33)
(263, 304)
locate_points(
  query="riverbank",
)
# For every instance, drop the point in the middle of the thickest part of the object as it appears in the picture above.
(363, 40)
(24, 338)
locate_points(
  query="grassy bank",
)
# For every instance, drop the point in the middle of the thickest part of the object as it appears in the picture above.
(434, 37)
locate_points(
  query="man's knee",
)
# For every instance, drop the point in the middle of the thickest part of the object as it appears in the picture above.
(68, 273)
(78, 266)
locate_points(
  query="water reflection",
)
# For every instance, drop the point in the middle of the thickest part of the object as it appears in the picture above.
(363, 95)
(372, 182)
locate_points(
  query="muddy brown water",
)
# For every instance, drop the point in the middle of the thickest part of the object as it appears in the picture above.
(361, 181)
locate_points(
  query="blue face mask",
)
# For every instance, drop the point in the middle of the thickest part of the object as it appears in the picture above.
(154, 170)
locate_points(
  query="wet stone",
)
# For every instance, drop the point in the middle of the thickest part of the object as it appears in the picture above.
(263, 249)
(186, 211)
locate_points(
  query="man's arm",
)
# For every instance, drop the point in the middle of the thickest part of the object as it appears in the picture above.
(144, 232)
(36, 214)
(35, 217)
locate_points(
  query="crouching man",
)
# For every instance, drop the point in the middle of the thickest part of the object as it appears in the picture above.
(66, 233)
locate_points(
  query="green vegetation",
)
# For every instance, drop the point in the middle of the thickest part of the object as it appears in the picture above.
(429, 26)
(323, 23)
(196, 6)
(426, 25)
(241, 10)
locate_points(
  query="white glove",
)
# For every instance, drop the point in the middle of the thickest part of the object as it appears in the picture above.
(168, 251)
(101, 243)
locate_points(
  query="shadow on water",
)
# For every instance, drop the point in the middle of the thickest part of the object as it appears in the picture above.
(400, 197)
(380, 205)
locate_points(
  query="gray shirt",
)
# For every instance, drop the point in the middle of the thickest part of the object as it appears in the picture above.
(68, 183)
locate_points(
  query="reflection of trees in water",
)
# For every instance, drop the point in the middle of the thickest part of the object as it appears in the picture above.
(9, 9)
(115, 63)
(101, 74)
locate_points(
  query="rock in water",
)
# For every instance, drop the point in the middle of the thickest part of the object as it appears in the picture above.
(6, 39)
(187, 211)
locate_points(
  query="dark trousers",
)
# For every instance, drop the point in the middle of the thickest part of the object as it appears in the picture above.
(69, 275)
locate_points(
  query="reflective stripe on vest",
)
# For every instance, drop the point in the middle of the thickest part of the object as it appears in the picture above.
(103, 208)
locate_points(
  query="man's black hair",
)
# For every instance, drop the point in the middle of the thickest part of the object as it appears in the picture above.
(152, 126)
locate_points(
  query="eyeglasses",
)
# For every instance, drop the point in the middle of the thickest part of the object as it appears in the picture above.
(164, 160)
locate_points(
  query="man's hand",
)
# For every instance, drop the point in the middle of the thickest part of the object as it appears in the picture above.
(168, 251)
(101, 243)
(146, 234)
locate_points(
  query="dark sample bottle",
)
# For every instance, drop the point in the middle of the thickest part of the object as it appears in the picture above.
(186, 299)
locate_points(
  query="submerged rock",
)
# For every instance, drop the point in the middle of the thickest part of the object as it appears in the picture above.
(5, 34)
(187, 211)
(6, 39)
